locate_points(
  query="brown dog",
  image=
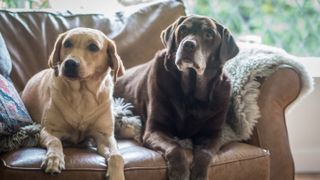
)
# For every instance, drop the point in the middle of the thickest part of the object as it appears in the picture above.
(73, 99)
(183, 93)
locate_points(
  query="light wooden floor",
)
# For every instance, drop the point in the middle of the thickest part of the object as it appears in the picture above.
(307, 177)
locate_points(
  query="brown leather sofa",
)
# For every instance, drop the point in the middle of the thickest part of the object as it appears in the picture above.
(30, 37)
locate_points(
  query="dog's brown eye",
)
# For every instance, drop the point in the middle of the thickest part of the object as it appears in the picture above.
(209, 34)
(67, 44)
(93, 48)
(183, 30)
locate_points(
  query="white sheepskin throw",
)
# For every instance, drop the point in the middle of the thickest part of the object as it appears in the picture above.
(255, 61)
(127, 125)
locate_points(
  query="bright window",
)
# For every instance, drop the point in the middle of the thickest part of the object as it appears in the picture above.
(290, 24)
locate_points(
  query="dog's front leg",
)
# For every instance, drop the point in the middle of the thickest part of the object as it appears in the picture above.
(202, 156)
(108, 148)
(54, 160)
(178, 166)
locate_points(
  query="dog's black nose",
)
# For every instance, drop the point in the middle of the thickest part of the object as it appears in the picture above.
(189, 45)
(70, 68)
(71, 64)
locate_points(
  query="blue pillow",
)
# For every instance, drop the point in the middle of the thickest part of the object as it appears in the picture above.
(5, 61)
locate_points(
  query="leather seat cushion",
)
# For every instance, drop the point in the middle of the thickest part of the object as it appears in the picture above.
(234, 161)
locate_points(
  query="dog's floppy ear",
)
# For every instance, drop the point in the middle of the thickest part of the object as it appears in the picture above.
(114, 60)
(54, 58)
(168, 38)
(228, 47)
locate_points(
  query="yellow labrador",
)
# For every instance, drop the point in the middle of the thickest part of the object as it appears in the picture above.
(73, 99)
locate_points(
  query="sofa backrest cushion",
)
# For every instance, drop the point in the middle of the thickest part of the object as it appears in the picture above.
(30, 35)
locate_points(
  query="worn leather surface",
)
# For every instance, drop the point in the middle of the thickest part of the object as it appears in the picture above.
(30, 35)
(234, 161)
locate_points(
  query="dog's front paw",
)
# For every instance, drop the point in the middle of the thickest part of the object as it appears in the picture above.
(198, 175)
(53, 163)
(178, 166)
(199, 171)
(115, 168)
(201, 163)
(178, 172)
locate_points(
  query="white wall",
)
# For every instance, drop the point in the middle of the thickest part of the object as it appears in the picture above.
(303, 123)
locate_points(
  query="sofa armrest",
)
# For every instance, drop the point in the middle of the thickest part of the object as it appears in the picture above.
(277, 92)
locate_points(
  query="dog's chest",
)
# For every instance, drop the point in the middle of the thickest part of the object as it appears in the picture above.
(83, 102)
(191, 117)
(82, 108)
